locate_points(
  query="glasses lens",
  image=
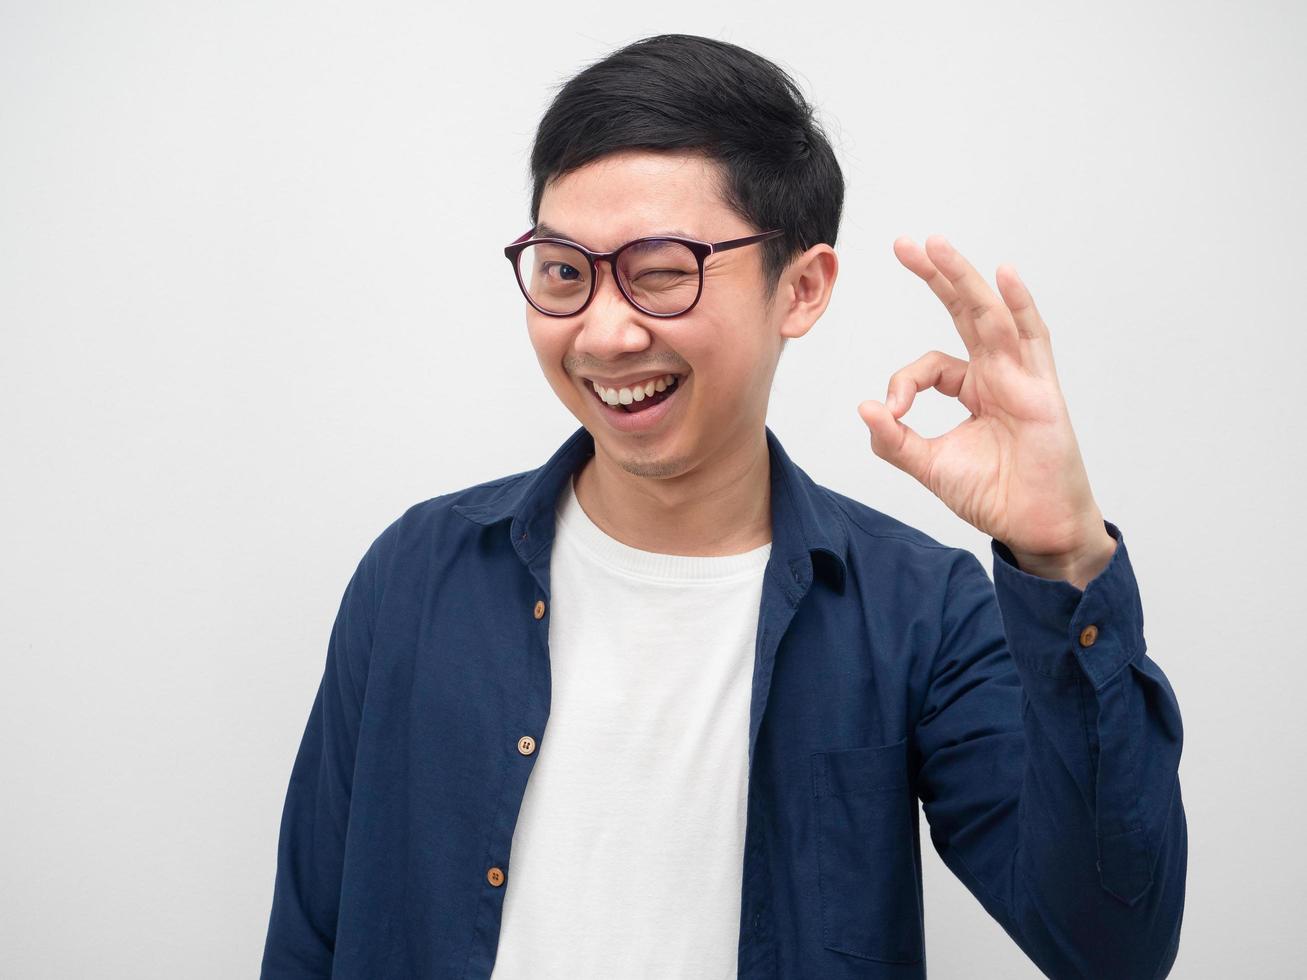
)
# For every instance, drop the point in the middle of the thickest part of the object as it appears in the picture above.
(662, 276)
(556, 277)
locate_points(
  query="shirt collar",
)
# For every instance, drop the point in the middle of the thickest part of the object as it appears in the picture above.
(806, 522)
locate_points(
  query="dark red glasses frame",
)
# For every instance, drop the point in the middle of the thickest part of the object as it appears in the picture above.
(700, 249)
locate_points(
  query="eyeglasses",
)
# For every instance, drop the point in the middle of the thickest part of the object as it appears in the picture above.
(659, 276)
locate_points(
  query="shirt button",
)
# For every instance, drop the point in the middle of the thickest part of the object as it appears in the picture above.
(495, 877)
(526, 745)
(540, 608)
(1088, 635)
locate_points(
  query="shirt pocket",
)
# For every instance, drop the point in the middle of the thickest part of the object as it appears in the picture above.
(866, 866)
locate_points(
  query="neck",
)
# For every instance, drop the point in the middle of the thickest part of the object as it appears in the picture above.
(722, 507)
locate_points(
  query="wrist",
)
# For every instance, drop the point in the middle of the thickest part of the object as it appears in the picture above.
(1079, 566)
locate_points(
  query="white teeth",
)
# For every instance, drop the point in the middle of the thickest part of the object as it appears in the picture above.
(625, 396)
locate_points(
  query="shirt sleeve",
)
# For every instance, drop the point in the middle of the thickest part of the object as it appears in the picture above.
(310, 851)
(1047, 755)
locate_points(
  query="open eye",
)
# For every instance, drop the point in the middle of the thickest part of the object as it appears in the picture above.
(566, 271)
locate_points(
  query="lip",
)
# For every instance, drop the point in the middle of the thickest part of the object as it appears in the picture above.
(631, 379)
(638, 422)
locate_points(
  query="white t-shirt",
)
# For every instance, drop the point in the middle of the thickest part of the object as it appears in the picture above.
(627, 856)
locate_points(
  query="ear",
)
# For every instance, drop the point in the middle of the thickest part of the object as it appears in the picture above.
(805, 289)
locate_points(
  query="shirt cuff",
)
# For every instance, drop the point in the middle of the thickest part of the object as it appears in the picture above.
(1048, 621)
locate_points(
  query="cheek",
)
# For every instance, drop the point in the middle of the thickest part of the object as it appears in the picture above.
(538, 329)
(549, 341)
(728, 352)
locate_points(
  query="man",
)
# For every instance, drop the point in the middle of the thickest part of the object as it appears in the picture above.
(663, 706)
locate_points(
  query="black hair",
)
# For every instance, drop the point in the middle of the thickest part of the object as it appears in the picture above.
(681, 92)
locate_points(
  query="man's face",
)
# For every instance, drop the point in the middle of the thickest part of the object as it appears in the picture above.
(724, 350)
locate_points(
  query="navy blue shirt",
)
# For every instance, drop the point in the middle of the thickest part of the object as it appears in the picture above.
(1024, 714)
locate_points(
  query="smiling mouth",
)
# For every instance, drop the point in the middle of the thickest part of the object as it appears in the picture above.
(645, 401)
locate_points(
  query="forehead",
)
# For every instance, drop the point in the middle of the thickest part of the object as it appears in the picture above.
(631, 194)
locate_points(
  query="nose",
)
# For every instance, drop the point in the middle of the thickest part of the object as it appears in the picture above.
(610, 325)
(606, 282)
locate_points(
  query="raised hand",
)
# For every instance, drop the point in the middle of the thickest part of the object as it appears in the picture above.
(1013, 469)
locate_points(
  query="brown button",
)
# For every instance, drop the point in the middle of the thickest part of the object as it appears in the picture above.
(495, 877)
(1088, 635)
(540, 608)
(526, 745)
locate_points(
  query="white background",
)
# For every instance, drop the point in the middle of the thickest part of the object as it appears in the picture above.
(253, 306)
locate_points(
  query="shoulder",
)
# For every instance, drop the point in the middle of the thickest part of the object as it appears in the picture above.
(880, 542)
(437, 520)
(869, 527)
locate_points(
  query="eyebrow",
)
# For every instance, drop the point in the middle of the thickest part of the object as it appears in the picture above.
(545, 230)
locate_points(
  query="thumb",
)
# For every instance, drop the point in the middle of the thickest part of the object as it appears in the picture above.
(894, 441)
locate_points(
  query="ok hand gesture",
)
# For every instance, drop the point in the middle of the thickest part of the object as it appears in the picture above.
(1013, 469)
